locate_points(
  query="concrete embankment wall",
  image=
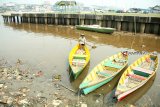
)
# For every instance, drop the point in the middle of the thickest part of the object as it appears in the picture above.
(136, 24)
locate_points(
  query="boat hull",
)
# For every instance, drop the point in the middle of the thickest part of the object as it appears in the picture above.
(104, 72)
(75, 75)
(77, 72)
(96, 29)
(136, 72)
(94, 87)
(122, 96)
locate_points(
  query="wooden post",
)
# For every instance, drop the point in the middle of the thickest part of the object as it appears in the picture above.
(29, 20)
(36, 20)
(142, 27)
(14, 19)
(56, 21)
(10, 19)
(45, 20)
(21, 19)
(82, 21)
(135, 28)
(100, 22)
(119, 26)
(7, 19)
(17, 19)
(68, 21)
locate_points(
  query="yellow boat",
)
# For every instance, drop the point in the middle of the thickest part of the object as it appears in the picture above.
(78, 59)
(136, 75)
(104, 72)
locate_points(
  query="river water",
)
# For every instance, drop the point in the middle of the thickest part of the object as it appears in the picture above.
(46, 48)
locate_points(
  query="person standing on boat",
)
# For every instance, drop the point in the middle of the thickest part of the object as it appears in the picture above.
(82, 41)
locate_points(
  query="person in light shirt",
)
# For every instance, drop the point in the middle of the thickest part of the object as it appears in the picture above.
(82, 41)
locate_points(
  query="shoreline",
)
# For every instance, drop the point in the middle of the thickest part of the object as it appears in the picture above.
(121, 22)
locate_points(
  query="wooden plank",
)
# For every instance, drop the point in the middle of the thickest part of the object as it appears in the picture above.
(143, 70)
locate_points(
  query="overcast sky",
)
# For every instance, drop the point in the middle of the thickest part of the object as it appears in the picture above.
(114, 3)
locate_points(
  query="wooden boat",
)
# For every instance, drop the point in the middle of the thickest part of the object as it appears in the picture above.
(104, 72)
(96, 28)
(136, 75)
(78, 59)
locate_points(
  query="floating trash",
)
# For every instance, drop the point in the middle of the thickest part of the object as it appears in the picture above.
(39, 74)
(56, 102)
(56, 77)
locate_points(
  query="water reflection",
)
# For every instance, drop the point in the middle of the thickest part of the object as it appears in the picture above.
(121, 40)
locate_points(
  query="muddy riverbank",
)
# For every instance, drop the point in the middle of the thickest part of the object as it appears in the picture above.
(24, 86)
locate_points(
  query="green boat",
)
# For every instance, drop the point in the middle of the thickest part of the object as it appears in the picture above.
(104, 72)
(96, 28)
